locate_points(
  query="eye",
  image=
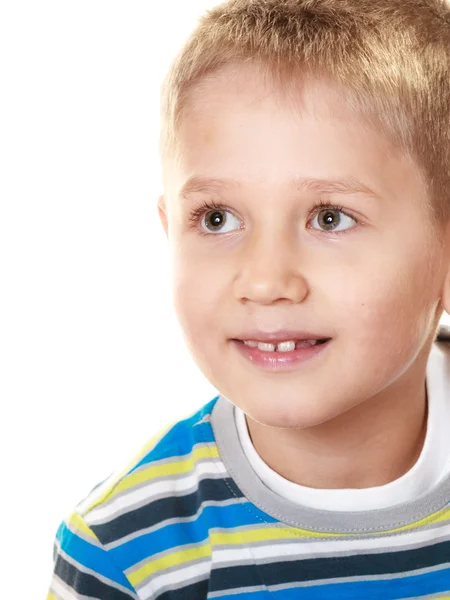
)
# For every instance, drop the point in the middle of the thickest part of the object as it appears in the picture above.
(214, 218)
(217, 218)
(328, 218)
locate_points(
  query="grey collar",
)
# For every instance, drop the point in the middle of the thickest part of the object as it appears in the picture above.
(290, 513)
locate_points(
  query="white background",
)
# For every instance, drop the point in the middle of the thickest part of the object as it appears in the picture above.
(92, 360)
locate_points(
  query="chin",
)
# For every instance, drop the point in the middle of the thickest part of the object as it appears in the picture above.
(291, 416)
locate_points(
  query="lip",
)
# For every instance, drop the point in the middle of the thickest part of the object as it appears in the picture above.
(280, 361)
(282, 335)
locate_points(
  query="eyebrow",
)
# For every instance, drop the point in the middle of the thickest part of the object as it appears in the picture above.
(350, 185)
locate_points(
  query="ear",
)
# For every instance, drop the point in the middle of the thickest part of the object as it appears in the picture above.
(445, 292)
(162, 210)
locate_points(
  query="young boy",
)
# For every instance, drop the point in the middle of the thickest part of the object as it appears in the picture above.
(305, 148)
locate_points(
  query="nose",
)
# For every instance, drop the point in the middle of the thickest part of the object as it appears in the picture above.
(269, 270)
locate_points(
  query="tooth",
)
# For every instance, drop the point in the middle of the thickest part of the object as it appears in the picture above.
(282, 346)
(286, 346)
(266, 347)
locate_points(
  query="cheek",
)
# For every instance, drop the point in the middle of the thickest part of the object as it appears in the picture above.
(390, 311)
(380, 297)
(194, 292)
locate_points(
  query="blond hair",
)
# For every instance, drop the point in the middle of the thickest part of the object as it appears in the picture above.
(390, 59)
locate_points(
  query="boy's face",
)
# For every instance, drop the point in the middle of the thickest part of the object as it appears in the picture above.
(371, 281)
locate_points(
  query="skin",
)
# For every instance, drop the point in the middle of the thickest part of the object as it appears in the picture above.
(377, 282)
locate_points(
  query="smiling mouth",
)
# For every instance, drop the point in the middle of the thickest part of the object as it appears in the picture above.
(298, 343)
(283, 353)
(285, 356)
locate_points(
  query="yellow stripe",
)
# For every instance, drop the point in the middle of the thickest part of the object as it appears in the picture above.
(145, 450)
(263, 534)
(171, 560)
(176, 467)
(182, 557)
(269, 533)
(51, 596)
(76, 523)
(279, 533)
(185, 556)
(153, 441)
(443, 515)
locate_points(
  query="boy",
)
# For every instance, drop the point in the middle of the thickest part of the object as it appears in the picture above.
(305, 148)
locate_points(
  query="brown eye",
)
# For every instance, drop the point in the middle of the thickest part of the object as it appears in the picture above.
(216, 219)
(214, 216)
(329, 219)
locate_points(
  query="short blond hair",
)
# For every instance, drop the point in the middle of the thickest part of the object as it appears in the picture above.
(390, 59)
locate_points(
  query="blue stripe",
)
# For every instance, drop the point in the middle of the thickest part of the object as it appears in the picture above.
(180, 439)
(177, 534)
(92, 557)
(415, 586)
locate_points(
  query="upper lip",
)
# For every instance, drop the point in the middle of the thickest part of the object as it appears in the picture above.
(283, 335)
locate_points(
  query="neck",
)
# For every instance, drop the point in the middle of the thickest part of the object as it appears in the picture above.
(370, 445)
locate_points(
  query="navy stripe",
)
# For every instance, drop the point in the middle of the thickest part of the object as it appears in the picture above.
(163, 509)
(86, 584)
(334, 567)
(195, 591)
(228, 578)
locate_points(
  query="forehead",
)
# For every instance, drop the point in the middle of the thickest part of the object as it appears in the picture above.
(243, 90)
(237, 125)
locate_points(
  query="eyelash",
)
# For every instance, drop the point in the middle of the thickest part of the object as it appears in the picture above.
(207, 206)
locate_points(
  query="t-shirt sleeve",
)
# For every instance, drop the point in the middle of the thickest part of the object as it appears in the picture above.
(84, 567)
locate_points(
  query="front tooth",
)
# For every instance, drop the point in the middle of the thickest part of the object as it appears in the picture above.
(281, 347)
(266, 347)
(286, 346)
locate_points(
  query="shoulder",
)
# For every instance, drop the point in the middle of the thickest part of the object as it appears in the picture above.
(165, 453)
(105, 547)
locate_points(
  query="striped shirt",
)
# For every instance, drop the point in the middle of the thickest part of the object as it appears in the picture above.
(189, 519)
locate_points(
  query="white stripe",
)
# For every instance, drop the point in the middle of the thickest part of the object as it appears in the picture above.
(277, 548)
(106, 580)
(62, 591)
(152, 489)
(183, 575)
(96, 493)
(274, 550)
(118, 474)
